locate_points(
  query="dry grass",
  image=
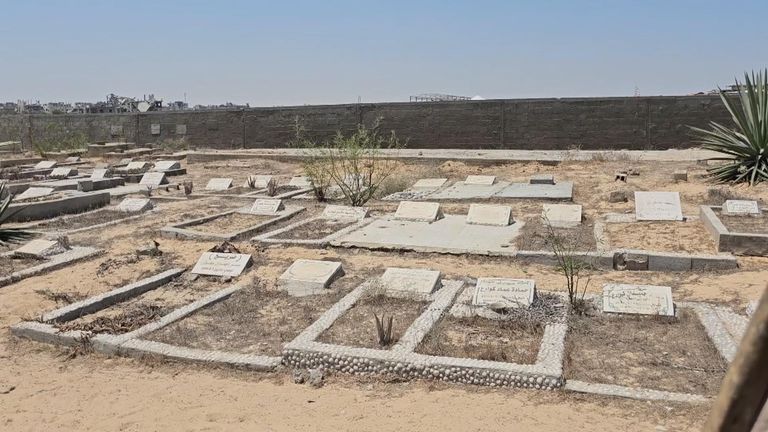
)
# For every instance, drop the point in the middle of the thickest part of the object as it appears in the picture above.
(534, 234)
(126, 321)
(10, 265)
(314, 230)
(230, 223)
(688, 237)
(83, 220)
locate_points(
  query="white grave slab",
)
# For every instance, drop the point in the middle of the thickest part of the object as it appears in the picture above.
(266, 206)
(338, 212)
(488, 214)
(40, 248)
(134, 205)
(410, 281)
(45, 165)
(418, 211)
(481, 180)
(307, 277)
(430, 183)
(300, 182)
(72, 159)
(219, 184)
(741, 207)
(221, 264)
(99, 173)
(167, 165)
(154, 129)
(504, 292)
(124, 162)
(153, 179)
(260, 181)
(137, 166)
(562, 215)
(638, 299)
(34, 192)
(658, 206)
(61, 172)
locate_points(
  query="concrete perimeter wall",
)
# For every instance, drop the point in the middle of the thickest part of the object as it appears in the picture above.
(590, 123)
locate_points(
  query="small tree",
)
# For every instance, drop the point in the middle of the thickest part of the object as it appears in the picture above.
(573, 262)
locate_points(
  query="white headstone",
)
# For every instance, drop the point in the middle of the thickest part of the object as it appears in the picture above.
(651, 206)
(134, 205)
(504, 292)
(418, 211)
(306, 277)
(429, 183)
(72, 159)
(40, 248)
(741, 207)
(542, 179)
(99, 173)
(219, 184)
(489, 214)
(338, 212)
(153, 179)
(154, 129)
(482, 180)
(266, 206)
(562, 215)
(167, 165)
(260, 181)
(638, 299)
(137, 166)
(45, 165)
(413, 281)
(221, 264)
(34, 192)
(300, 181)
(61, 172)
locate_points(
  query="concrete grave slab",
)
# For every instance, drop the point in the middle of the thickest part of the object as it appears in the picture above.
(34, 192)
(266, 206)
(337, 212)
(300, 182)
(72, 159)
(420, 282)
(559, 191)
(166, 165)
(307, 277)
(741, 207)
(40, 248)
(418, 211)
(137, 166)
(43, 165)
(562, 215)
(134, 205)
(221, 264)
(542, 179)
(62, 173)
(219, 184)
(99, 173)
(658, 206)
(429, 183)
(463, 190)
(504, 292)
(482, 180)
(153, 179)
(638, 299)
(487, 214)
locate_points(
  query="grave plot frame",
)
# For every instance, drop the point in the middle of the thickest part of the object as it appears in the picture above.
(185, 229)
(75, 203)
(269, 237)
(36, 226)
(402, 360)
(262, 193)
(55, 262)
(738, 243)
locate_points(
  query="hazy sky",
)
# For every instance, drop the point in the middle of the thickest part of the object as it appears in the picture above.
(326, 51)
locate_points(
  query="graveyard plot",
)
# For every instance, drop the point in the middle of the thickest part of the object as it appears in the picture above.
(668, 353)
(740, 234)
(229, 225)
(357, 326)
(743, 224)
(688, 237)
(10, 264)
(14, 269)
(48, 207)
(315, 229)
(535, 235)
(82, 221)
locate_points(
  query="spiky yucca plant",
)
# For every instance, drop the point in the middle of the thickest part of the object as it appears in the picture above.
(9, 235)
(746, 146)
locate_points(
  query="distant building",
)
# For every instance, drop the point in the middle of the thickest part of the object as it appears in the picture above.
(437, 97)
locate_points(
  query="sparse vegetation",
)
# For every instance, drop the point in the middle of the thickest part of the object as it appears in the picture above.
(9, 235)
(573, 262)
(56, 137)
(384, 329)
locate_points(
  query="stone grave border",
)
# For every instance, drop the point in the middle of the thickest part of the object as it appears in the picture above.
(55, 262)
(730, 241)
(129, 217)
(185, 228)
(75, 203)
(262, 193)
(269, 236)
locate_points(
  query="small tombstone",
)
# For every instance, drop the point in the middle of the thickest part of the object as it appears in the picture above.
(618, 197)
(430, 183)
(741, 208)
(266, 206)
(680, 176)
(621, 176)
(72, 159)
(337, 212)
(222, 264)
(658, 206)
(42, 165)
(134, 205)
(219, 184)
(638, 299)
(418, 211)
(562, 215)
(154, 129)
(85, 185)
(137, 166)
(480, 180)
(34, 192)
(167, 165)
(307, 277)
(41, 248)
(410, 281)
(499, 293)
(62, 173)
(488, 214)
(300, 182)
(153, 179)
(99, 173)
(542, 179)
(259, 181)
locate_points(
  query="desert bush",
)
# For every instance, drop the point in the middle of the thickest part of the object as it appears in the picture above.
(9, 235)
(745, 147)
(573, 262)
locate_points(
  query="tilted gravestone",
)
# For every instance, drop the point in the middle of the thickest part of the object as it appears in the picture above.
(72, 159)
(99, 173)
(34, 192)
(480, 180)
(741, 207)
(219, 184)
(45, 165)
(307, 277)
(167, 165)
(300, 182)
(658, 206)
(500, 293)
(418, 211)
(489, 214)
(153, 179)
(62, 173)
(137, 167)
(266, 206)
(337, 212)
(40, 248)
(134, 205)
(638, 299)
(410, 281)
(562, 215)
(221, 264)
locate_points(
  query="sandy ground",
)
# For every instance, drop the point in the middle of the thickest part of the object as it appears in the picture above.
(97, 393)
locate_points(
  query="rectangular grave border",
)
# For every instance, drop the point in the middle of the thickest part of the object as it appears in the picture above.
(77, 202)
(730, 241)
(269, 236)
(401, 360)
(262, 193)
(128, 217)
(55, 262)
(184, 229)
